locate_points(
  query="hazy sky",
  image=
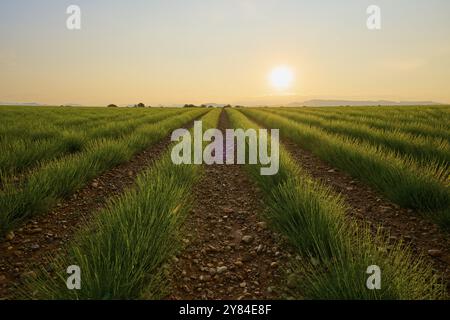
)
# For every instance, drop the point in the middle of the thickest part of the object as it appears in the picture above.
(201, 51)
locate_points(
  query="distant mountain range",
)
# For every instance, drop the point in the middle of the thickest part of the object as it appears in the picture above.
(20, 104)
(35, 104)
(332, 103)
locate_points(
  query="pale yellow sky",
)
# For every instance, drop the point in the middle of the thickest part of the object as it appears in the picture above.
(199, 51)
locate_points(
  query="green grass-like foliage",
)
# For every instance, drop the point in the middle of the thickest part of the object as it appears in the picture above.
(48, 141)
(335, 251)
(61, 177)
(426, 150)
(398, 178)
(121, 254)
(123, 250)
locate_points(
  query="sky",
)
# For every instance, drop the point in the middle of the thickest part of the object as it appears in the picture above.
(222, 51)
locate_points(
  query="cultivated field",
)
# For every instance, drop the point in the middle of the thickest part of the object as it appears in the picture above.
(96, 188)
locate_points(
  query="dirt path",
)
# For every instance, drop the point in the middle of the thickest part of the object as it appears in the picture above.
(367, 205)
(230, 253)
(25, 249)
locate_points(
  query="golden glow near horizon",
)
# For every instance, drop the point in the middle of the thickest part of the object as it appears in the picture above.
(249, 52)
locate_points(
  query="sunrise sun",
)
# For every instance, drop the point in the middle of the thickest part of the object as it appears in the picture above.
(281, 77)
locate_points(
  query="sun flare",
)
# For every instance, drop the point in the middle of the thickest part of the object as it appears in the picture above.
(281, 77)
